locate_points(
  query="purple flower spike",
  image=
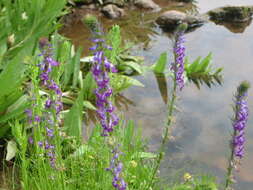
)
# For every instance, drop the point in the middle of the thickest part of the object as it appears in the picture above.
(179, 53)
(52, 62)
(30, 140)
(50, 132)
(116, 168)
(48, 103)
(29, 112)
(238, 137)
(239, 124)
(40, 143)
(100, 70)
(37, 118)
(52, 106)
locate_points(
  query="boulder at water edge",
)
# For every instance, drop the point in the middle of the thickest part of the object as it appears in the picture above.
(169, 20)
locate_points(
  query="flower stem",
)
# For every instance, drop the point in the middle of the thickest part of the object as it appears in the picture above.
(166, 133)
(230, 166)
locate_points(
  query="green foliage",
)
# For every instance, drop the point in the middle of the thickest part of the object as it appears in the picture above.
(114, 39)
(196, 183)
(23, 22)
(125, 63)
(200, 71)
(73, 119)
(160, 66)
(122, 82)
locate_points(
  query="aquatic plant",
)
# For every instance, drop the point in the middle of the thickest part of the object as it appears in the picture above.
(238, 136)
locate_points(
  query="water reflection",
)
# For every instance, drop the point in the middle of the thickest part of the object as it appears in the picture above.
(162, 86)
(237, 27)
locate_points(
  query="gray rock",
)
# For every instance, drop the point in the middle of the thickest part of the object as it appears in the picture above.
(169, 20)
(119, 3)
(112, 11)
(185, 1)
(146, 4)
(231, 14)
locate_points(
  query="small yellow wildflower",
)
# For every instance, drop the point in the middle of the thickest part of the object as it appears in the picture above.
(187, 176)
(133, 164)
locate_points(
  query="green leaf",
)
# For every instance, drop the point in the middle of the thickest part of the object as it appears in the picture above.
(195, 64)
(83, 149)
(205, 62)
(89, 105)
(200, 71)
(135, 66)
(122, 82)
(144, 155)
(88, 86)
(162, 85)
(3, 130)
(11, 150)
(15, 110)
(73, 119)
(160, 65)
(7, 101)
(12, 74)
(76, 63)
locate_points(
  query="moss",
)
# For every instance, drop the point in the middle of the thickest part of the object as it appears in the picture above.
(231, 14)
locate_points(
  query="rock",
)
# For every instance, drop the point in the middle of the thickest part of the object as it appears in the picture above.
(89, 7)
(80, 1)
(119, 3)
(112, 11)
(231, 14)
(185, 1)
(146, 4)
(169, 20)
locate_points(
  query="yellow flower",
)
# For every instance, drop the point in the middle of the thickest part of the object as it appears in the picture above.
(133, 164)
(187, 176)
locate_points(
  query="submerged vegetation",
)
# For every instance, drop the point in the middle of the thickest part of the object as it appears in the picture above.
(47, 89)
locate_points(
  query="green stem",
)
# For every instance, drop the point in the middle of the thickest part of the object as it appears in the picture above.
(230, 166)
(231, 159)
(166, 133)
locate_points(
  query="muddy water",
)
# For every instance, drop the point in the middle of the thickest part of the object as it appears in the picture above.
(203, 126)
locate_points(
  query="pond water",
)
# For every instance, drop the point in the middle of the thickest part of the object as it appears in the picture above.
(203, 125)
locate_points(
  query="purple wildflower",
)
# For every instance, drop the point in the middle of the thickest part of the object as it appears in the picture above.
(239, 123)
(52, 105)
(40, 143)
(30, 139)
(116, 168)
(238, 137)
(37, 118)
(29, 112)
(48, 103)
(179, 53)
(100, 69)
